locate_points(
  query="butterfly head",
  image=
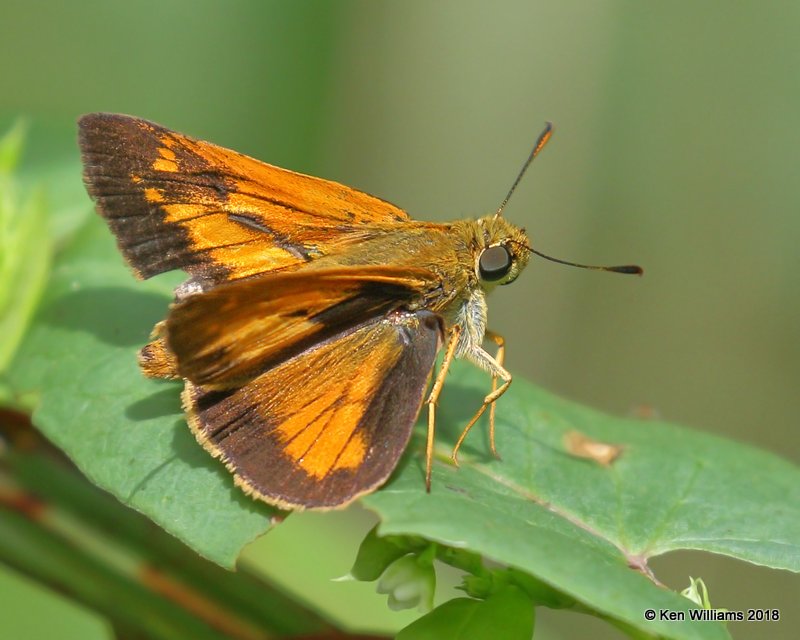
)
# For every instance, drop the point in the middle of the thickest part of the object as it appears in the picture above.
(502, 251)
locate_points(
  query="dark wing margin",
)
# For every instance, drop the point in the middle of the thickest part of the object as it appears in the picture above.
(121, 160)
(328, 425)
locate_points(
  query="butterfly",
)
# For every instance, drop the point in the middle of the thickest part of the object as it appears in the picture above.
(308, 329)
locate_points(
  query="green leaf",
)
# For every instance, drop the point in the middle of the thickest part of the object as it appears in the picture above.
(374, 555)
(125, 432)
(25, 249)
(697, 592)
(505, 615)
(11, 144)
(580, 526)
(409, 582)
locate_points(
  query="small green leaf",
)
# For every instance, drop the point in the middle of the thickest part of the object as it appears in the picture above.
(445, 621)
(25, 249)
(374, 555)
(11, 144)
(506, 615)
(697, 593)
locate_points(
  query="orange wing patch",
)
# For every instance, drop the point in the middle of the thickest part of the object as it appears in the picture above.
(167, 161)
(178, 203)
(330, 423)
(322, 435)
(152, 194)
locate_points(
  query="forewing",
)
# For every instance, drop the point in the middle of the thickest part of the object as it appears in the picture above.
(234, 332)
(329, 424)
(174, 202)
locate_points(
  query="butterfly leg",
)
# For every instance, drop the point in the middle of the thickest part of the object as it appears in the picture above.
(434, 397)
(481, 358)
(500, 341)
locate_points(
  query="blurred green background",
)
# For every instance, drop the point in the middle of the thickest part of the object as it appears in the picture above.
(677, 145)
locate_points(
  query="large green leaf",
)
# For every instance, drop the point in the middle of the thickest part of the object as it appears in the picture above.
(125, 432)
(580, 526)
(571, 522)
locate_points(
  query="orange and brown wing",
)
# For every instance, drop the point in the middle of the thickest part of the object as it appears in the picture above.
(178, 203)
(228, 335)
(330, 423)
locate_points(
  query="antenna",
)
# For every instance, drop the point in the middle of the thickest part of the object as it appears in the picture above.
(544, 136)
(631, 269)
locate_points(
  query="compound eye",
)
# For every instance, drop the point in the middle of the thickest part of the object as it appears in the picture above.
(494, 263)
